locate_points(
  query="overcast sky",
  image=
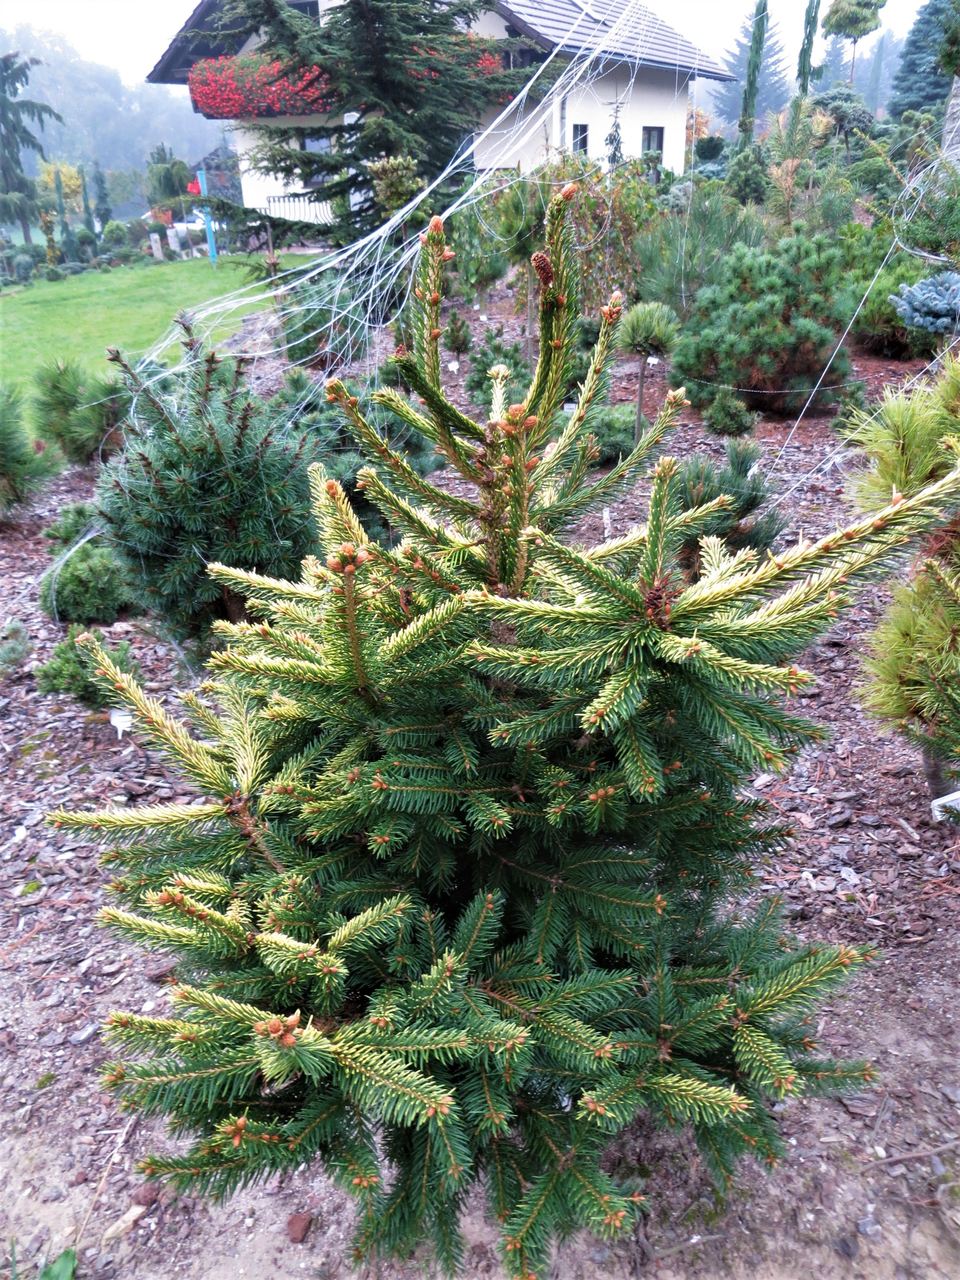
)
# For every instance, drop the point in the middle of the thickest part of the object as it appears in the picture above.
(131, 36)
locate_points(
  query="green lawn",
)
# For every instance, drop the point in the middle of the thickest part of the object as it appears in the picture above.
(128, 307)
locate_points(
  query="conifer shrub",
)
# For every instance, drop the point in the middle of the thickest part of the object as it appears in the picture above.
(87, 583)
(612, 426)
(456, 337)
(740, 491)
(647, 329)
(494, 351)
(768, 328)
(15, 646)
(79, 412)
(23, 268)
(208, 471)
(323, 324)
(931, 305)
(69, 669)
(24, 464)
(680, 253)
(727, 415)
(879, 328)
(747, 179)
(460, 900)
(913, 669)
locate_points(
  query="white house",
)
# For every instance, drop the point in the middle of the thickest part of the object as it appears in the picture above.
(641, 76)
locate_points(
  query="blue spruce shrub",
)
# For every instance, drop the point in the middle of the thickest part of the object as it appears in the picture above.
(932, 304)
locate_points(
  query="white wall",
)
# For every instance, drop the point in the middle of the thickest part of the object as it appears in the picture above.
(648, 99)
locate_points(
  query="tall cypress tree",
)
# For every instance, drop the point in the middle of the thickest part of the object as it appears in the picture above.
(805, 69)
(68, 241)
(920, 83)
(457, 905)
(751, 84)
(101, 204)
(87, 211)
(773, 90)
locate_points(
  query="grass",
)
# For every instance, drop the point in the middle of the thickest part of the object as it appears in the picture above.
(129, 307)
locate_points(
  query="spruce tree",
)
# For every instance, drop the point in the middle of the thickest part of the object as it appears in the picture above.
(18, 193)
(920, 83)
(833, 70)
(458, 901)
(773, 89)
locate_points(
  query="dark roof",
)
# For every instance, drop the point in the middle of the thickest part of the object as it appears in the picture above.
(574, 27)
(584, 26)
(196, 39)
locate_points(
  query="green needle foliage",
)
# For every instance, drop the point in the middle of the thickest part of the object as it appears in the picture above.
(207, 472)
(24, 465)
(647, 329)
(914, 667)
(458, 902)
(768, 328)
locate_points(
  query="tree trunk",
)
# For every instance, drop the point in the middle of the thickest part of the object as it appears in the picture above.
(853, 62)
(638, 429)
(951, 124)
(25, 228)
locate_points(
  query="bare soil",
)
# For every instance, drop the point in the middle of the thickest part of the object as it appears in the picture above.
(871, 1190)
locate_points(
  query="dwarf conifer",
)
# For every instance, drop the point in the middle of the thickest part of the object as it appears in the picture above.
(458, 900)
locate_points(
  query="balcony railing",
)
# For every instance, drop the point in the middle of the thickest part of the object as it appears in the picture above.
(299, 208)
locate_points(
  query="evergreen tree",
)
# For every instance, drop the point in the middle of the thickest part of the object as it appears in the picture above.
(420, 97)
(459, 902)
(751, 85)
(207, 471)
(18, 202)
(834, 68)
(773, 89)
(805, 68)
(68, 241)
(852, 19)
(23, 464)
(949, 57)
(87, 211)
(920, 83)
(101, 205)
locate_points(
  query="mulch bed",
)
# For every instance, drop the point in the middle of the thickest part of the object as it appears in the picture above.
(871, 1187)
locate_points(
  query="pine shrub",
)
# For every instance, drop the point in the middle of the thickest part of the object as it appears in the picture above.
(89, 584)
(487, 355)
(747, 179)
(769, 327)
(456, 336)
(460, 901)
(911, 441)
(727, 415)
(680, 253)
(24, 464)
(207, 472)
(739, 490)
(647, 329)
(69, 669)
(79, 412)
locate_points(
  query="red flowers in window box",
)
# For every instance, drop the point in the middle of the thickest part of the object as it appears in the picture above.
(253, 86)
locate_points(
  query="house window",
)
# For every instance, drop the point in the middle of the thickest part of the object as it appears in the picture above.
(318, 147)
(651, 139)
(580, 138)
